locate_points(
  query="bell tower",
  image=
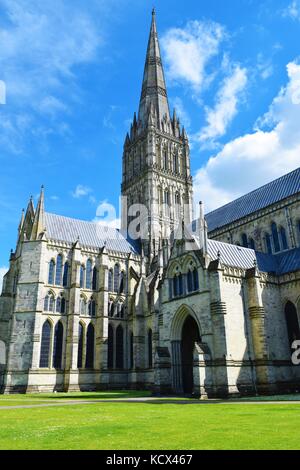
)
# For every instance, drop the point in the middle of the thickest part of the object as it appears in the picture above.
(156, 161)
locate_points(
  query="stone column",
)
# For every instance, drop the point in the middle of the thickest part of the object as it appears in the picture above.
(71, 351)
(202, 374)
(265, 383)
(162, 371)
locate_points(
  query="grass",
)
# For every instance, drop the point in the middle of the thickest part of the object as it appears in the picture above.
(145, 425)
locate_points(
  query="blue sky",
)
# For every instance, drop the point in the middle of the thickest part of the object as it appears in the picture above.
(73, 72)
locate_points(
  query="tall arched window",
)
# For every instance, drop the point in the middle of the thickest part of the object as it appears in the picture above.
(131, 362)
(58, 305)
(292, 323)
(166, 165)
(190, 281)
(244, 240)
(58, 274)
(196, 279)
(66, 275)
(122, 282)
(284, 242)
(80, 346)
(180, 284)
(51, 303)
(88, 280)
(58, 345)
(110, 280)
(119, 348)
(46, 304)
(95, 278)
(45, 345)
(90, 347)
(82, 276)
(116, 278)
(110, 347)
(175, 163)
(51, 272)
(92, 308)
(275, 237)
(150, 358)
(268, 243)
(63, 305)
(251, 243)
(82, 306)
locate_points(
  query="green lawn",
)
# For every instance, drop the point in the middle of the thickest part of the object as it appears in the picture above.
(135, 426)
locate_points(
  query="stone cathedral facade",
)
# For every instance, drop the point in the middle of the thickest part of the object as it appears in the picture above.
(209, 307)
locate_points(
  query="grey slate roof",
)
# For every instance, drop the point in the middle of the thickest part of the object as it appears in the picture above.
(236, 256)
(265, 196)
(91, 234)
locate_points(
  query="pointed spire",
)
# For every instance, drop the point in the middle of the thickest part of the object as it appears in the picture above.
(154, 86)
(22, 221)
(39, 219)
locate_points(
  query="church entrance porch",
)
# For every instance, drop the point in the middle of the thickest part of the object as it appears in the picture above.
(190, 336)
(185, 335)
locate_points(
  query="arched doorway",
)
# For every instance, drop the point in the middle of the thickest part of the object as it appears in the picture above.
(292, 323)
(190, 335)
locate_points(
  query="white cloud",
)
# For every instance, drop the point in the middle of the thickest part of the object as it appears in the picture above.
(293, 10)
(226, 107)
(41, 43)
(188, 50)
(252, 160)
(3, 271)
(81, 191)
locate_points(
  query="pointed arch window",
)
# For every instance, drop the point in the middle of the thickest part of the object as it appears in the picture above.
(119, 348)
(46, 304)
(58, 305)
(95, 278)
(122, 283)
(82, 306)
(268, 243)
(51, 272)
(244, 240)
(284, 242)
(51, 303)
(190, 281)
(275, 237)
(82, 276)
(110, 280)
(150, 357)
(116, 278)
(92, 308)
(58, 275)
(175, 163)
(45, 345)
(63, 306)
(88, 280)
(58, 345)
(166, 164)
(252, 243)
(196, 279)
(80, 346)
(66, 275)
(90, 346)
(110, 352)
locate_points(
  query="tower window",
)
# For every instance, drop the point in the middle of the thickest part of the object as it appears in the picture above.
(88, 279)
(284, 242)
(58, 346)
(51, 272)
(80, 346)
(58, 275)
(275, 237)
(90, 346)
(66, 275)
(45, 345)
(268, 243)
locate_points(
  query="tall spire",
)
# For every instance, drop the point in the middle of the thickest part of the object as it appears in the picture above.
(39, 218)
(154, 89)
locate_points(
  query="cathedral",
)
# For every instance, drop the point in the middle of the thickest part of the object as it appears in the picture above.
(202, 305)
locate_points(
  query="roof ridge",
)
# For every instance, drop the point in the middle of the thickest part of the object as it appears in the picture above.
(254, 190)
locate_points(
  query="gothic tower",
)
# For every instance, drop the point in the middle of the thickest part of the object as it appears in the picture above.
(156, 161)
